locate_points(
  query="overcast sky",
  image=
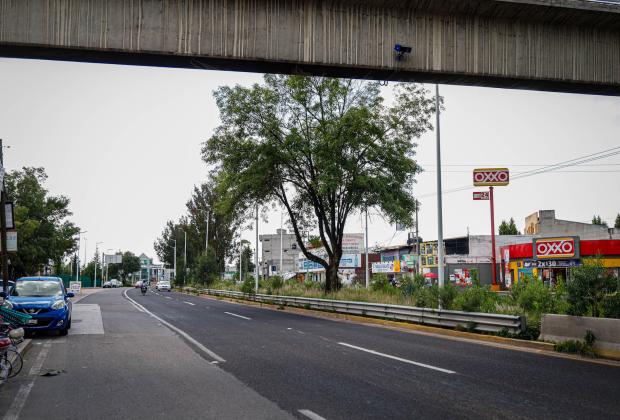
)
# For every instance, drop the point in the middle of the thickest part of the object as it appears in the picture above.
(123, 143)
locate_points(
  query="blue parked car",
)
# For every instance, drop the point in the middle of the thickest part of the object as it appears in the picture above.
(45, 299)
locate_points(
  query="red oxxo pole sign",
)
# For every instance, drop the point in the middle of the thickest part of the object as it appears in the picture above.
(490, 177)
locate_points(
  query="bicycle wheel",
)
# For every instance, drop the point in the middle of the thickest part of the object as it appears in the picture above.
(5, 368)
(16, 361)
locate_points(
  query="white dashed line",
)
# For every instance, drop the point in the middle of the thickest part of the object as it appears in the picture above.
(180, 331)
(310, 414)
(189, 303)
(400, 359)
(238, 316)
(168, 297)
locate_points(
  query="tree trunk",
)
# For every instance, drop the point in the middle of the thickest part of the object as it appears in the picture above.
(331, 277)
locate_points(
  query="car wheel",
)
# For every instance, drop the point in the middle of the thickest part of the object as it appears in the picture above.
(69, 324)
(64, 331)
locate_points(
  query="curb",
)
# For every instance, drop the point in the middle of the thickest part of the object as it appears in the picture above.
(538, 347)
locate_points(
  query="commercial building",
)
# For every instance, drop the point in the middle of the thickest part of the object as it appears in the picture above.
(551, 258)
(153, 272)
(544, 224)
(352, 267)
(271, 244)
(396, 260)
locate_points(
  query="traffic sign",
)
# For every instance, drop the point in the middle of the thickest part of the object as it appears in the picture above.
(481, 195)
(490, 177)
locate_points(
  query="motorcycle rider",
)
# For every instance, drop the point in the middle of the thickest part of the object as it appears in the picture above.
(143, 287)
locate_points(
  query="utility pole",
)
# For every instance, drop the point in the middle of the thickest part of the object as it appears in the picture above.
(207, 235)
(256, 253)
(367, 263)
(4, 254)
(185, 258)
(96, 261)
(174, 262)
(417, 237)
(281, 269)
(440, 269)
(240, 256)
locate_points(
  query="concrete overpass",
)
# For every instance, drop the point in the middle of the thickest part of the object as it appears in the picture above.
(557, 45)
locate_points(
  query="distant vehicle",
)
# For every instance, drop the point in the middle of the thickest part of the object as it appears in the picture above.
(163, 285)
(45, 299)
(115, 283)
(138, 284)
(107, 284)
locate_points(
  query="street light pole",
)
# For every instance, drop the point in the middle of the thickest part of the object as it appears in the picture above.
(207, 235)
(3, 251)
(256, 253)
(185, 257)
(174, 262)
(96, 261)
(281, 269)
(77, 258)
(367, 263)
(440, 269)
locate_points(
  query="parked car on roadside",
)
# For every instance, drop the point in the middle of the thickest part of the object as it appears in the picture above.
(163, 285)
(45, 299)
(138, 284)
(115, 283)
(107, 284)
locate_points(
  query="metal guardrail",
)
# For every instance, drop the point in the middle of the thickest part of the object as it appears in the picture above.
(482, 322)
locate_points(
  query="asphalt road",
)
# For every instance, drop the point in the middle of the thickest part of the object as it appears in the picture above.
(274, 364)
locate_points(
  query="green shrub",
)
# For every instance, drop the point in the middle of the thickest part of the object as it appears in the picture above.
(381, 283)
(610, 307)
(475, 299)
(447, 294)
(589, 285)
(248, 286)
(584, 348)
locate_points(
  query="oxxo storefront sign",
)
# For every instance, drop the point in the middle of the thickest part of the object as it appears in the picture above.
(556, 248)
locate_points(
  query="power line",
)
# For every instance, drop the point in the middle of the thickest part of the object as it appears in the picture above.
(564, 164)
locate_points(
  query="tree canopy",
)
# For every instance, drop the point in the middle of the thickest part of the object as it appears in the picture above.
(596, 220)
(44, 232)
(202, 204)
(617, 223)
(322, 147)
(508, 228)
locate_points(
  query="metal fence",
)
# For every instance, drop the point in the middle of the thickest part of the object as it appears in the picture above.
(476, 321)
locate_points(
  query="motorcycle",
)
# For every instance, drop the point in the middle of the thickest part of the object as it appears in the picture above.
(143, 289)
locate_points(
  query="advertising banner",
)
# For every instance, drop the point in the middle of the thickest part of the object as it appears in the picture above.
(490, 177)
(556, 248)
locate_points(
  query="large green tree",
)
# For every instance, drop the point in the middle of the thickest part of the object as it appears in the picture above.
(508, 228)
(44, 232)
(323, 148)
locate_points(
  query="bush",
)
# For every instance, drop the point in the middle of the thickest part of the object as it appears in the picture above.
(610, 307)
(534, 299)
(248, 286)
(475, 299)
(588, 287)
(408, 285)
(584, 348)
(381, 283)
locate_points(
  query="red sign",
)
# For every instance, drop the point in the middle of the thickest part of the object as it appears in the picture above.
(489, 177)
(481, 195)
(549, 248)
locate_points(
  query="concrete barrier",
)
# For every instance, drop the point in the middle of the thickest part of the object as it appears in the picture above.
(557, 328)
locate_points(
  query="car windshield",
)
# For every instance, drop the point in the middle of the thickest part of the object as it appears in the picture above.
(37, 288)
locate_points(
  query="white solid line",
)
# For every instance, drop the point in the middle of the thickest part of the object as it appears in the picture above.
(311, 414)
(179, 331)
(38, 363)
(189, 303)
(18, 403)
(168, 297)
(400, 359)
(238, 316)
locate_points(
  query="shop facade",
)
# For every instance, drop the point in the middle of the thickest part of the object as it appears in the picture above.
(550, 259)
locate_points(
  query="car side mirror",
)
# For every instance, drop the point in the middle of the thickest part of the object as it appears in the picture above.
(70, 294)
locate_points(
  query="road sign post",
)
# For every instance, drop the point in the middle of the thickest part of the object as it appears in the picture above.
(490, 177)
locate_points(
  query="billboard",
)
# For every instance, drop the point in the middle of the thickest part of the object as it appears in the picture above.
(112, 259)
(490, 177)
(556, 248)
(386, 267)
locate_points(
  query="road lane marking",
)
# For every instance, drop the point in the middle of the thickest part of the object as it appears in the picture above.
(168, 297)
(400, 359)
(183, 334)
(22, 394)
(18, 403)
(189, 303)
(238, 316)
(310, 414)
(38, 363)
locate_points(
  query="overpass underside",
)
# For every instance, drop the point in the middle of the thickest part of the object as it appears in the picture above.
(561, 45)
